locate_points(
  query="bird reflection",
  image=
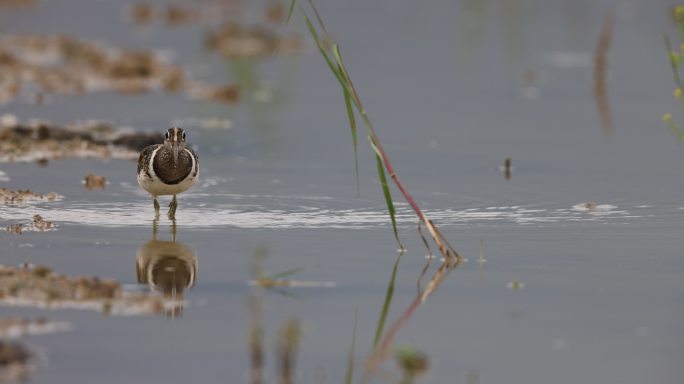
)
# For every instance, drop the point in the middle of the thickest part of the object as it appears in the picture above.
(169, 267)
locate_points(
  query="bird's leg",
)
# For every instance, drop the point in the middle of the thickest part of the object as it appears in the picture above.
(156, 207)
(172, 208)
(173, 229)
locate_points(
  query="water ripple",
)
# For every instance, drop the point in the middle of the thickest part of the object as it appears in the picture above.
(250, 211)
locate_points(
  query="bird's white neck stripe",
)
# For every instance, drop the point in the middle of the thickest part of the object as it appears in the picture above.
(150, 165)
(192, 169)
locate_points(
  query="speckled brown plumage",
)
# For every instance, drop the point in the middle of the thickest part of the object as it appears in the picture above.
(145, 157)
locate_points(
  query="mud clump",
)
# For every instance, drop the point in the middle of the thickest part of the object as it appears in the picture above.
(228, 94)
(40, 283)
(275, 13)
(10, 352)
(39, 286)
(67, 65)
(15, 327)
(138, 141)
(232, 40)
(15, 229)
(141, 13)
(9, 196)
(37, 225)
(35, 67)
(208, 13)
(41, 224)
(178, 15)
(172, 14)
(92, 181)
(17, 4)
(15, 362)
(43, 141)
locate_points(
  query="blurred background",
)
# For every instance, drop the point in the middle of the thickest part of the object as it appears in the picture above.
(532, 132)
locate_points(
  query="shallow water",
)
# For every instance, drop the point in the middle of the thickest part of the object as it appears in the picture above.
(600, 290)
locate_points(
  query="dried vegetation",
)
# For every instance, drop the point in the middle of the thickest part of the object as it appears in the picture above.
(600, 69)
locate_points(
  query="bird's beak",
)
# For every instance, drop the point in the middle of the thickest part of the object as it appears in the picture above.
(176, 148)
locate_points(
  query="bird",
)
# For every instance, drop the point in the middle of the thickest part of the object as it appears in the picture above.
(167, 266)
(169, 168)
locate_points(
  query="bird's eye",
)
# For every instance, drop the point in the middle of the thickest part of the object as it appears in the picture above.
(167, 135)
(183, 136)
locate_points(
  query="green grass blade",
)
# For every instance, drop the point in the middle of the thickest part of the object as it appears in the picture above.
(349, 377)
(352, 125)
(386, 304)
(386, 191)
(338, 71)
(350, 111)
(319, 43)
(388, 198)
(293, 3)
(348, 84)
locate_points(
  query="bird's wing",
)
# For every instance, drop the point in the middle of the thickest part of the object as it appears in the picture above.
(145, 156)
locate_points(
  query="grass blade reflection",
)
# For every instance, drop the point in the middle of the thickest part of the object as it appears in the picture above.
(386, 304)
(382, 349)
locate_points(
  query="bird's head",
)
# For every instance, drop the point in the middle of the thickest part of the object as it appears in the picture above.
(175, 142)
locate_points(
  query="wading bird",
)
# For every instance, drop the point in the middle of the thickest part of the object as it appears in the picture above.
(168, 169)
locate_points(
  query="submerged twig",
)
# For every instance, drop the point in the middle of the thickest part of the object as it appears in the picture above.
(256, 332)
(507, 168)
(427, 265)
(481, 259)
(600, 67)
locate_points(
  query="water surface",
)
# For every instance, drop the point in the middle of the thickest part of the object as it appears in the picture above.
(444, 82)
